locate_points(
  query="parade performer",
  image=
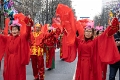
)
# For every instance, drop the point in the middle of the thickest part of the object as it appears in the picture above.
(99, 31)
(50, 42)
(16, 49)
(61, 41)
(64, 47)
(116, 66)
(37, 57)
(61, 38)
(91, 52)
(90, 55)
(80, 30)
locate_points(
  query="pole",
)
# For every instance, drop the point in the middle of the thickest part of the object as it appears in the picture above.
(47, 11)
(2, 14)
(42, 16)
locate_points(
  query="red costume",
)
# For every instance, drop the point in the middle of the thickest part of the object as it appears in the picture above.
(92, 52)
(64, 46)
(104, 71)
(99, 30)
(17, 54)
(50, 42)
(61, 38)
(56, 22)
(37, 57)
(50, 51)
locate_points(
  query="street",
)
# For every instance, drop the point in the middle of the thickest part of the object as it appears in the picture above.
(63, 70)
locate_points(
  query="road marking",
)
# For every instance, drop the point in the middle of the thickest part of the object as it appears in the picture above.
(57, 50)
(74, 73)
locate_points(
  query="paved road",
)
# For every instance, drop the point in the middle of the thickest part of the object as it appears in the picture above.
(63, 70)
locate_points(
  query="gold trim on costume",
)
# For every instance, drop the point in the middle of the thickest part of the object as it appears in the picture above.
(36, 50)
(36, 34)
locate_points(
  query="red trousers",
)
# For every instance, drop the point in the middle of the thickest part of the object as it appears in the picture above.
(50, 56)
(38, 66)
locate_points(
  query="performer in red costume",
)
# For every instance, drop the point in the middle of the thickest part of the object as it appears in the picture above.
(99, 31)
(64, 47)
(50, 42)
(16, 49)
(61, 38)
(37, 57)
(91, 52)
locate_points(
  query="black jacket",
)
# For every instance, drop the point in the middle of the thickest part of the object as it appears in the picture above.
(117, 38)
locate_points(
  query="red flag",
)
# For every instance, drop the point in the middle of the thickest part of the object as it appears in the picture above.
(56, 23)
(44, 28)
(68, 22)
(83, 22)
(80, 29)
(63, 10)
(56, 20)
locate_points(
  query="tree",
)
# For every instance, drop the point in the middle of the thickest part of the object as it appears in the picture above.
(1, 13)
(41, 11)
(103, 17)
(51, 8)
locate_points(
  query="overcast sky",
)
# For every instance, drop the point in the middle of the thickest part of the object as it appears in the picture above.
(87, 8)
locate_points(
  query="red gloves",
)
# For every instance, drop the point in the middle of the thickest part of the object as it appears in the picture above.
(114, 27)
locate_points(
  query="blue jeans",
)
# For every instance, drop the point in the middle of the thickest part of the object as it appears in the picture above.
(113, 71)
